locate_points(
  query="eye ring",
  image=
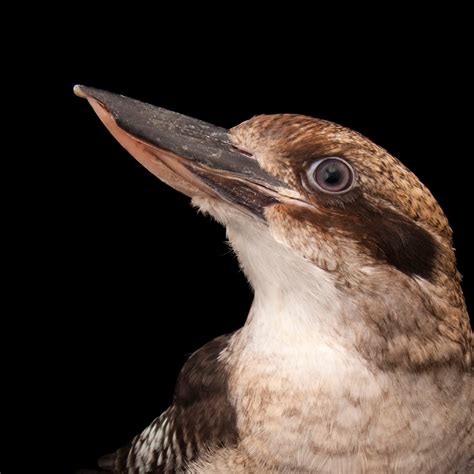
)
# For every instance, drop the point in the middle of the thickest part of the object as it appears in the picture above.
(331, 175)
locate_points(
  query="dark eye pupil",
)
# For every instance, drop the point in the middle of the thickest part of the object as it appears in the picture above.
(333, 175)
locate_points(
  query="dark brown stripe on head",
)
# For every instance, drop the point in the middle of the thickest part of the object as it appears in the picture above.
(386, 235)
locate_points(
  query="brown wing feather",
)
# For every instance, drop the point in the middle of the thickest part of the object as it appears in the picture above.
(201, 417)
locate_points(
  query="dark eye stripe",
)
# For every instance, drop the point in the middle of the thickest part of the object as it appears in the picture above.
(387, 235)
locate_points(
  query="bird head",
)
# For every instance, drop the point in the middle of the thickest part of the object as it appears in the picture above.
(317, 214)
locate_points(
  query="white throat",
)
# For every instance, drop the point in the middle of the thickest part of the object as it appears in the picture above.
(298, 314)
(290, 292)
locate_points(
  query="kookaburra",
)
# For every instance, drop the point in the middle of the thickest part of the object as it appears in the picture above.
(356, 356)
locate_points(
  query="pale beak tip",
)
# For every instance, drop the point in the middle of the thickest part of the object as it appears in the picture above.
(78, 90)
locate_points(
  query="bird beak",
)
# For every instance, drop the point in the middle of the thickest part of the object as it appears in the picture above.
(192, 156)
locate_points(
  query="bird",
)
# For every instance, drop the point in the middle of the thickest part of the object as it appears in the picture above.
(356, 354)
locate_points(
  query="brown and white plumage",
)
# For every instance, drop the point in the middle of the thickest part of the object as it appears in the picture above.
(357, 352)
(200, 418)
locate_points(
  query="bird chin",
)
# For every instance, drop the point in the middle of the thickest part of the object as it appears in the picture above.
(220, 210)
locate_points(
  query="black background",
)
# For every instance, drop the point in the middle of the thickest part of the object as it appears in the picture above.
(117, 278)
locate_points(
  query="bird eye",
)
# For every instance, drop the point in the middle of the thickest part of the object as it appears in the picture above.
(331, 175)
